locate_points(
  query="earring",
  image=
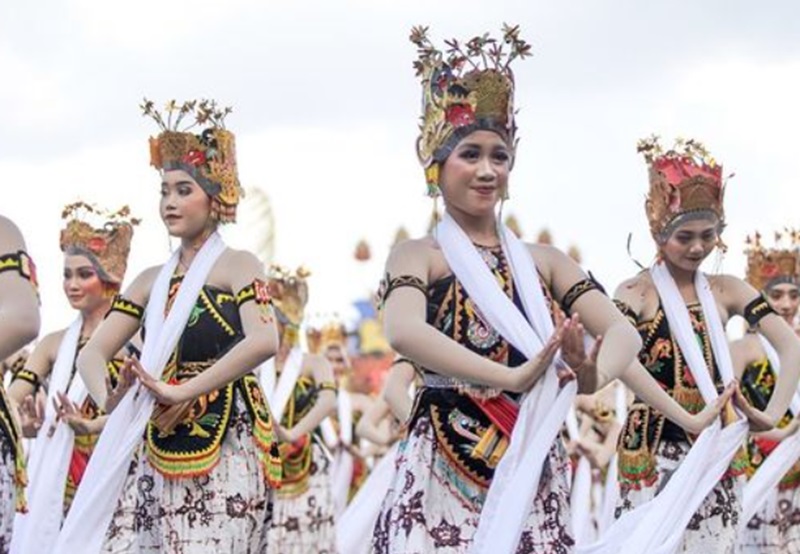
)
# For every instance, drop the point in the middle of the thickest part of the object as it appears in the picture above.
(432, 180)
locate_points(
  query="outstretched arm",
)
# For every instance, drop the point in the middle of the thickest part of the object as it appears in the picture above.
(19, 305)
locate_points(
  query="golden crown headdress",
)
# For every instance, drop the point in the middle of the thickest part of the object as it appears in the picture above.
(683, 180)
(332, 333)
(209, 157)
(289, 291)
(107, 246)
(466, 88)
(767, 267)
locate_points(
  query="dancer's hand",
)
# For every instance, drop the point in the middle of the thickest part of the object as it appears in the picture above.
(698, 422)
(164, 393)
(125, 380)
(759, 421)
(70, 413)
(31, 415)
(525, 376)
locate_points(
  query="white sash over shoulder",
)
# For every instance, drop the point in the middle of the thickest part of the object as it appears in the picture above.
(658, 525)
(48, 465)
(543, 410)
(90, 515)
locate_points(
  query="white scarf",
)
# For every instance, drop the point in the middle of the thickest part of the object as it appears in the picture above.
(354, 527)
(766, 479)
(279, 394)
(544, 408)
(48, 465)
(342, 471)
(90, 515)
(580, 499)
(611, 489)
(658, 525)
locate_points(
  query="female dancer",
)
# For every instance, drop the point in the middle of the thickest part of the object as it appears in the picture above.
(349, 460)
(187, 459)
(776, 273)
(19, 324)
(475, 308)
(304, 395)
(680, 314)
(95, 259)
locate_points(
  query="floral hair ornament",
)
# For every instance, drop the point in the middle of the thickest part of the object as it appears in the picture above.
(468, 87)
(767, 267)
(685, 184)
(207, 154)
(106, 243)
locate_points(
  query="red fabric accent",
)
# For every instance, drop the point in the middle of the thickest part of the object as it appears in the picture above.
(678, 170)
(77, 466)
(766, 446)
(501, 410)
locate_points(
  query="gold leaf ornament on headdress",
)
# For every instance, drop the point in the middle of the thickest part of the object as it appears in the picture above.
(208, 156)
(332, 333)
(683, 180)
(289, 291)
(106, 244)
(468, 87)
(767, 267)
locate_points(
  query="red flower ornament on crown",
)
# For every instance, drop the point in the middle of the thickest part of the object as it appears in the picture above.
(106, 244)
(209, 157)
(467, 88)
(683, 180)
(767, 267)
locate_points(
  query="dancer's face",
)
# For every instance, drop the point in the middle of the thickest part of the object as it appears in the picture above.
(475, 175)
(784, 299)
(336, 357)
(185, 207)
(82, 285)
(691, 243)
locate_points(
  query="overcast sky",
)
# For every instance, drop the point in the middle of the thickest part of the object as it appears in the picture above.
(326, 107)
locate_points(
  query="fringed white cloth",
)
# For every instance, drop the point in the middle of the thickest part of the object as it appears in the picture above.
(658, 526)
(93, 507)
(48, 465)
(543, 410)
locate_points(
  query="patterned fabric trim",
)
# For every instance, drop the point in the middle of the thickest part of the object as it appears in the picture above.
(627, 311)
(128, 307)
(389, 284)
(10, 431)
(579, 289)
(22, 264)
(29, 377)
(757, 310)
(194, 446)
(257, 291)
(264, 435)
(327, 385)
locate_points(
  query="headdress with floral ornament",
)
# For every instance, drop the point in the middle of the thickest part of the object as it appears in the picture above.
(209, 156)
(289, 293)
(467, 88)
(684, 181)
(319, 338)
(767, 267)
(106, 245)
